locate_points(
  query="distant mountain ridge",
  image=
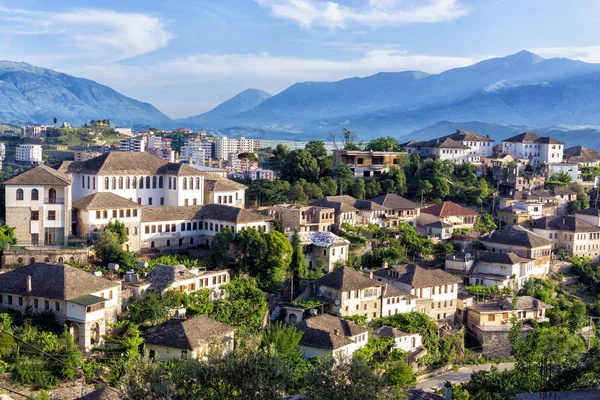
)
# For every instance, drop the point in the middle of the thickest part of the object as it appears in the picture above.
(30, 94)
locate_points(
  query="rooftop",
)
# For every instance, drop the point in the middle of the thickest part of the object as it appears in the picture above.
(517, 236)
(506, 304)
(321, 239)
(103, 201)
(345, 279)
(347, 203)
(162, 276)
(388, 331)
(447, 209)
(564, 223)
(500, 258)
(221, 212)
(395, 202)
(40, 175)
(170, 213)
(581, 154)
(589, 211)
(328, 332)
(416, 276)
(61, 282)
(187, 334)
(468, 136)
(530, 137)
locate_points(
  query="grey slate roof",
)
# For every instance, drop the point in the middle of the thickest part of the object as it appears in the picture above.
(469, 136)
(392, 291)
(61, 282)
(340, 204)
(217, 183)
(395, 202)
(438, 224)
(581, 154)
(517, 236)
(222, 212)
(442, 143)
(416, 276)
(162, 276)
(345, 278)
(500, 258)
(170, 213)
(187, 334)
(523, 303)
(388, 331)
(40, 175)
(125, 163)
(328, 332)
(103, 201)
(447, 209)
(530, 137)
(564, 223)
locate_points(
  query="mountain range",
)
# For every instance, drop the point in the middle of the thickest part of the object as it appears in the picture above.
(502, 95)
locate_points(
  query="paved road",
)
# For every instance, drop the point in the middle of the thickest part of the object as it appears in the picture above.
(462, 375)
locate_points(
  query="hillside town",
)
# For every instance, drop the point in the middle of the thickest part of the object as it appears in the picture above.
(174, 254)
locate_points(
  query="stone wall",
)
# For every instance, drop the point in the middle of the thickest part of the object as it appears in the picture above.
(495, 344)
(53, 255)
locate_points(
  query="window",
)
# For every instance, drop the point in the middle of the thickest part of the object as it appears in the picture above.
(170, 184)
(121, 182)
(135, 230)
(141, 182)
(36, 303)
(180, 242)
(147, 230)
(153, 228)
(184, 184)
(46, 305)
(150, 201)
(19, 194)
(128, 183)
(34, 194)
(160, 182)
(114, 213)
(147, 182)
(9, 300)
(154, 182)
(135, 212)
(183, 227)
(57, 306)
(491, 317)
(35, 215)
(197, 183)
(20, 301)
(162, 201)
(51, 215)
(98, 214)
(160, 229)
(114, 182)
(105, 214)
(121, 213)
(185, 202)
(35, 239)
(128, 213)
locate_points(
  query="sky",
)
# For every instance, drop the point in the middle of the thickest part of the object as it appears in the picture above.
(187, 56)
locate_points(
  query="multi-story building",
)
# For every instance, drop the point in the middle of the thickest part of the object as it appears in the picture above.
(197, 151)
(325, 248)
(357, 212)
(403, 209)
(29, 153)
(478, 144)
(445, 149)
(582, 156)
(519, 212)
(164, 153)
(435, 289)
(490, 323)
(225, 146)
(367, 164)
(36, 131)
(133, 145)
(38, 206)
(327, 335)
(535, 148)
(220, 190)
(442, 219)
(83, 302)
(86, 155)
(159, 142)
(525, 244)
(570, 168)
(570, 234)
(303, 218)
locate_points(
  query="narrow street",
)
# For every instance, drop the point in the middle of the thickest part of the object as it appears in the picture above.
(462, 375)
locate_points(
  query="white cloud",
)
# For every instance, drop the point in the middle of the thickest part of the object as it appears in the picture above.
(109, 35)
(589, 54)
(199, 77)
(334, 14)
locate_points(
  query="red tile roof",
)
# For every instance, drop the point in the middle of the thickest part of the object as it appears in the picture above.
(447, 209)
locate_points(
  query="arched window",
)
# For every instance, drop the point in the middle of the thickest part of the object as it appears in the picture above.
(147, 182)
(52, 196)
(31, 260)
(106, 183)
(128, 183)
(127, 230)
(197, 183)
(20, 260)
(134, 182)
(121, 182)
(191, 183)
(34, 194)
(168, 243)
(413, 342)
(135, 230)
(74, 331)
(154, 182)
(292, 319)
(47, 260)
(184, 183)
(152, 244)
(141, 182)
(95, 333)
(160, 182)
(114, 183)
(19, 194)
(61, 260)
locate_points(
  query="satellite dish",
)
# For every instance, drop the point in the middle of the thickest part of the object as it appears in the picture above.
(337, 302)
(468, 255)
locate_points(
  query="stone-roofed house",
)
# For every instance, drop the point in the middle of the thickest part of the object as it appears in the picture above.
(582, 155)
(571, 234)
(38, 206)
(535, 148)
(188, 338)
(478, 144)
(490, 322)
(394, 301)
(221, 190)
(506, 270)
(324, 247)
(82, 301)
(408, 342)
(328, 335)
(97, 210)
(436, 289)
(303, 218)
(590, 215)
(442, 219)
(404, 209)
(355, 212)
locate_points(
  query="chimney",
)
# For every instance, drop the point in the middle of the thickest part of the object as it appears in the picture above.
(448, 393)
(336, 332)
(28, 283)
(371, 274)
(385, 264)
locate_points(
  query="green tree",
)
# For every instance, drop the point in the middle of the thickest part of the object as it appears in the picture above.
(328, 186)
(298, 264)
(278, 157)
(7, 237)
(357, 190)
(562, 179)
(297, 194)
(149, 310)
(108, 248)
(394, 181)
(344, 177)
(244, 306)
(300, 164)
(386, 143)
(317, 149)
(485, 223)
(220, 247)
(351, 380)
(118, 228)
(350, 140)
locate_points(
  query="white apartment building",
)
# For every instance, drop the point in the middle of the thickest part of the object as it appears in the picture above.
(225, 146)
(29, 153)
(571, 168)
(35, 131)
(444, 149)
(133, 145)
(535, 148)
(38, 206)
(478, 144)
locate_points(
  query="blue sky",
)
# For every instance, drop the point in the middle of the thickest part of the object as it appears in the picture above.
(187, 56)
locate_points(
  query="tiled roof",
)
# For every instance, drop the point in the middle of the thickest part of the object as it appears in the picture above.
(222, 212)
(548, 140)
(589, 211)
(187, 334)
(170, 213)
(438, 224)
(104, 200)
(500, 258)
(162, 276)
(395, 202)
(328, 332)
(469, 136)
(525, 137)
(347, 203)
(392, 291)
(217, 183)
(416, 276)
(61, 282)
(388, 331)
(321, 239)
(564, 223)
(558, 191)
(345, 278)
(125, 163)
(581, 154)
(442, 143)
(40, 175)
(447, 209)
(517, 236)
(506, 304)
